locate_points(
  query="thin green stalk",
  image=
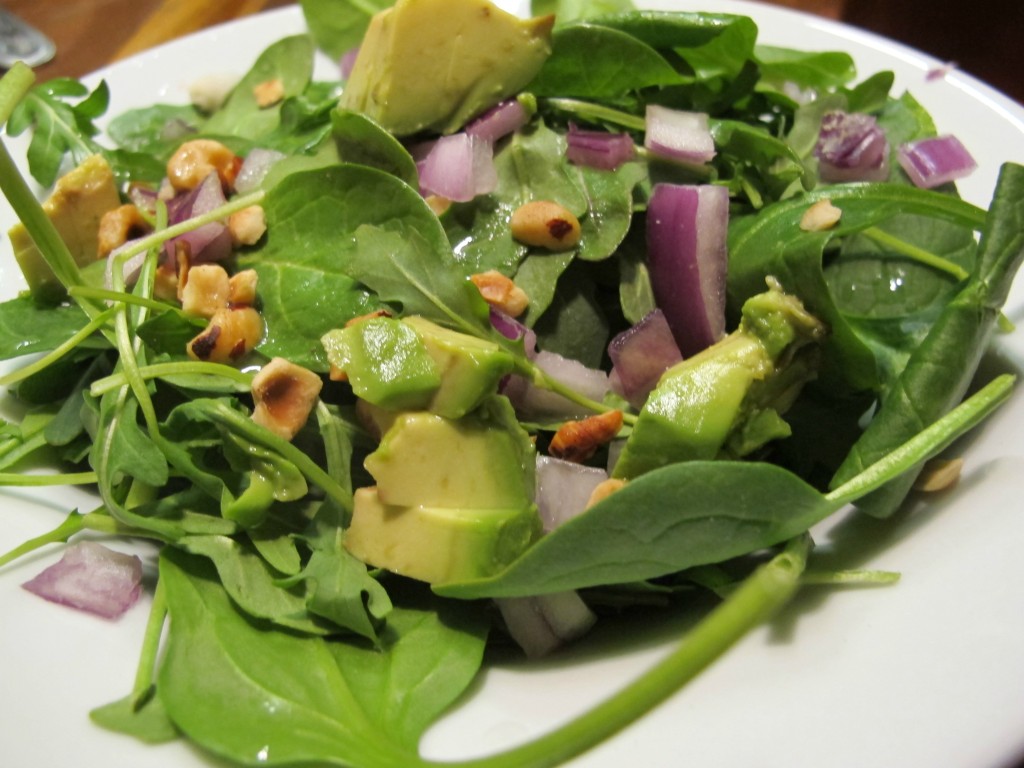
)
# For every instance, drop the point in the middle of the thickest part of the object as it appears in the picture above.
(597, 113)
(928, 441)
(72, 524)
(161, 236)
(915, 253)
(755, 600)
(15, 479)
(56, 354)
(163, 370)
(542, 379)
(145, 672)
(104, 294)
(848, 578)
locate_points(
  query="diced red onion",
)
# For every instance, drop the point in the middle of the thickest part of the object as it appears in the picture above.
(640, 355)
(851, 147)
(144, 198)
(92, 578)
(563, 489)
(459, 167)
(254, 169)
(544, 623)
(940, 72)
(688, 260)
(679, 135)
(499, 121)
(512, 329)
(531, 400)
(598, 149)
(931, 162)
(129, 270)
(347, 61)
(209, 242)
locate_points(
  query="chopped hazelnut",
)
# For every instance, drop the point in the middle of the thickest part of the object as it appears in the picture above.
(501, 293)
(285, 394)
(578, 440)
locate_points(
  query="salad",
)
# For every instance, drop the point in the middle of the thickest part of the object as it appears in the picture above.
(747, 188)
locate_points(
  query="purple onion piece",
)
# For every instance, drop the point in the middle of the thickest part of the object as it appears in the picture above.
(851, 147)
(935, 161)
(542, 624)
(254, 169)
(686, 245)
(640, 355)
(563, 489)
(92, 578)
(459, 167)
(598, 149)
(530, 400)
(679, 135)
(499, 121)
(347, 61)
(512, 329)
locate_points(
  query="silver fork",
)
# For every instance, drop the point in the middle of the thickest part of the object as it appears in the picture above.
(21, 42)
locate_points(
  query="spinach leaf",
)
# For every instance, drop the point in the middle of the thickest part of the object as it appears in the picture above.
(930, 385)
(338, 26)
(154, 130)
(291, 61)
(28, 327)
(573, 10)
(820, 71)
(250, 694)
(772, 243)
(360, 140)
(626, 65)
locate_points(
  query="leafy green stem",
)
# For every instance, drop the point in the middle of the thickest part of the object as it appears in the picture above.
(161, 236)
(33, 481)
(915, 253)
(145, 673)
(541, 378)
(755, 600)
(54, 355)
(597, 113)
(928, 441)
(72, 524)
(254, 433)
(163, 370)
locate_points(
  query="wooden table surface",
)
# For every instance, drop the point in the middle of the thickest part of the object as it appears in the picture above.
(980, 36)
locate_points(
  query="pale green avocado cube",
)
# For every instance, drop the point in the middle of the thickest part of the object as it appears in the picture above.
(438, 544)
(385, 361)
(434, 64)
(481, 461)
(76, 206)
(471, 368)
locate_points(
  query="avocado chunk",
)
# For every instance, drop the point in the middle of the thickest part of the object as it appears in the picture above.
(471, 368)
(484, 460)
(385, 361)
(414, 364)
(438, 544)
(433, 64)
(76, 205)
(726, 401)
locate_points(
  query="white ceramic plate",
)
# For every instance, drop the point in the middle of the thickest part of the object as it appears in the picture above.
(927, 673)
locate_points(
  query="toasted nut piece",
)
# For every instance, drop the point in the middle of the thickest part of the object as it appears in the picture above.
(501, 293)
(604, 489)
(939, 474)
(247, 226)
(368, 316)
(820, 217)
(546, 224)
(578, 440)
(269, 92)
(439, 205)
(205, 291)
(195, 160)
(242, 288)
(285, 394)
(118, 226)
(229, 336)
